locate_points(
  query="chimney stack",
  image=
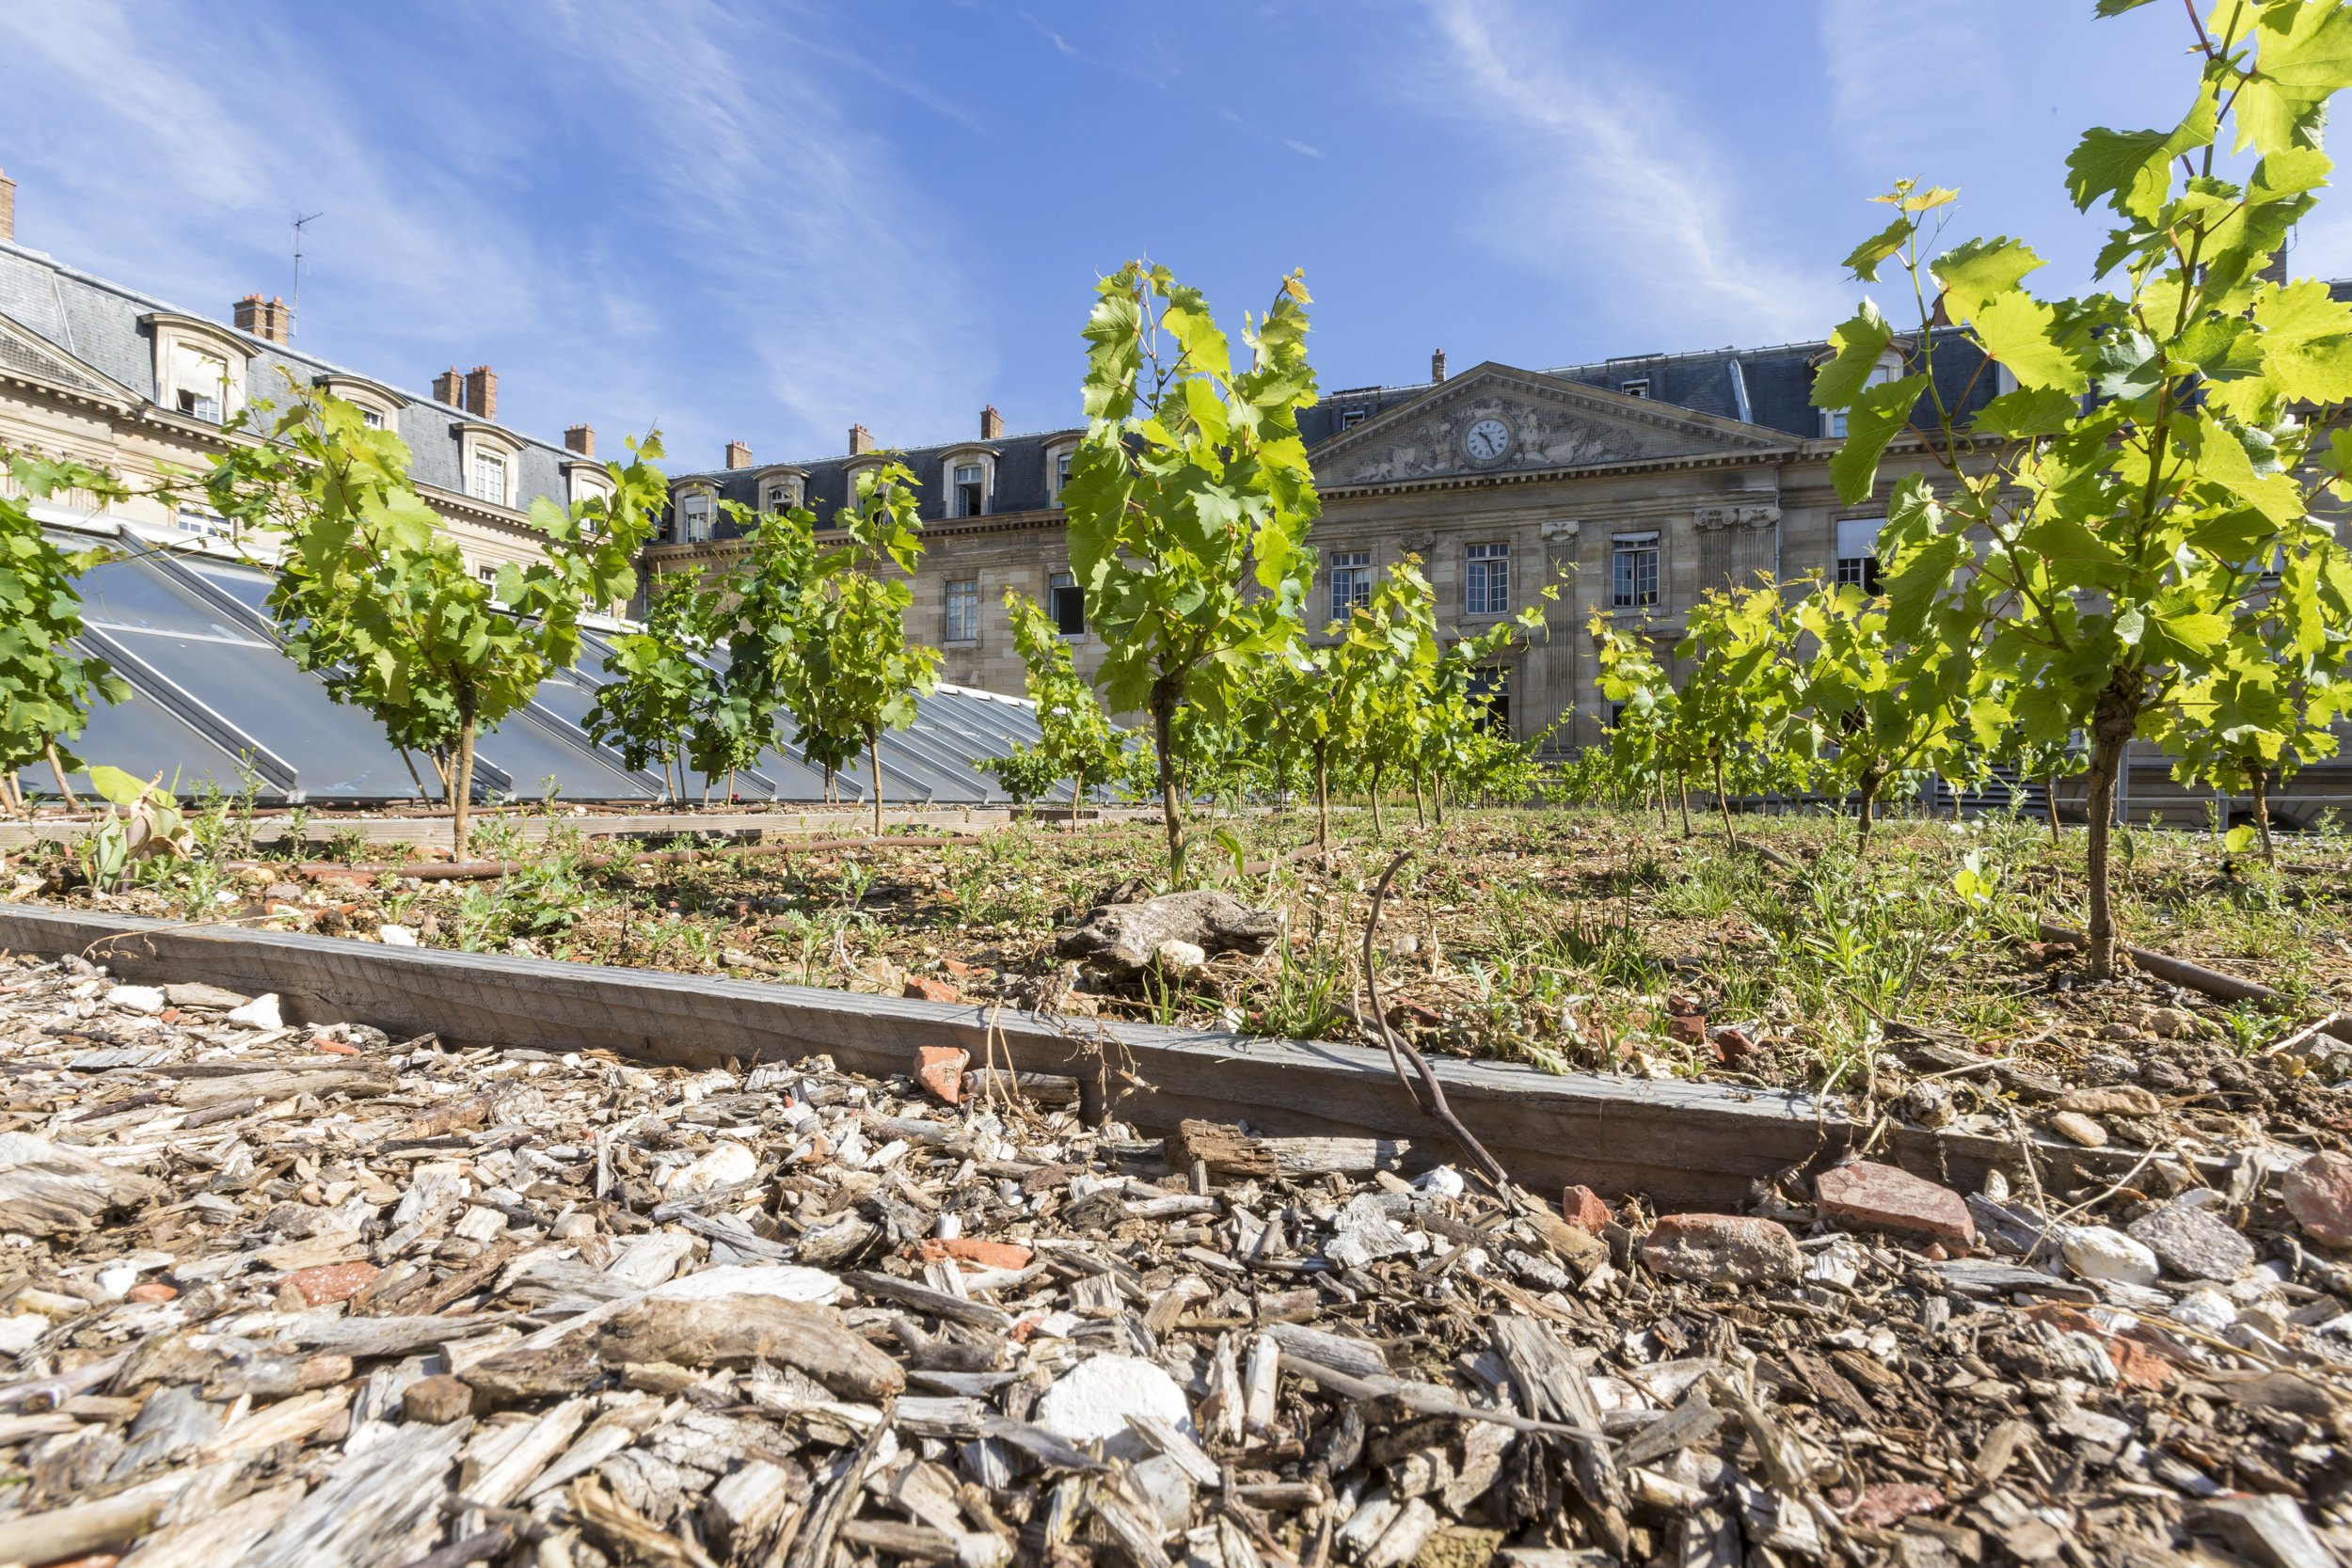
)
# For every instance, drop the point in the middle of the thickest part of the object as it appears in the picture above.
(739, 456)
(992, 424)
(861, 440)
(481, 392)
(1437, 365)
(8, 206)
(449, 388)
(263, 318)
(581, 439)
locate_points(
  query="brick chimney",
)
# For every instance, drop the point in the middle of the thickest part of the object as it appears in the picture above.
(1437, 365)
(861, 440)
(481, 392)
(263, 318)
(739, 456)
(581, 439)
(280, 318)
(8, 206)
(992, 424)
(449, 388)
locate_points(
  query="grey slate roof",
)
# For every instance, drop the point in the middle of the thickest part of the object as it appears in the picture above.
(97, 322)
(1776, 382)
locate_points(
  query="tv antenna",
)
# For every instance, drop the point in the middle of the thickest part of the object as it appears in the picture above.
(295, 306)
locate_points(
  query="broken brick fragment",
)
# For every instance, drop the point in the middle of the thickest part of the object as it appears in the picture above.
(1884, 1198)
(921, 989)
(940, 1069)
(978, 1252)
(1583, 1207)
(330, 1283)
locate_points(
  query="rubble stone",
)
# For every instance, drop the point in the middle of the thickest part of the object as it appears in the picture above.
(2116, 1099)
(1721, 1249)
(2101, 1252)
(940, 1069)
(437, 1401)
(1098, 1401)
(923, 989)
(2318, 1193)
(136, 999)
(2194, 1242)
(2077, 1128)
(260, 1013)
(328, 1283)
(1885, 1197)
(1583, 1207)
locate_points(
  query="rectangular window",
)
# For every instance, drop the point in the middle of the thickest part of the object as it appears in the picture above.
(968, 490)
(198, 381)
(488, 572)
(1858, 552)
(1351, 418)
(695, 518)
(1633, 571)
(194, 517)
(1490, 696)
(1061, 471)
(1351, 582)
(780, 499)
(1616, 715)
(489, 477)
(369, 418)
(1833, 420)
(963, 610)
(1068, 604)
(1638, 387)
(1487, 579)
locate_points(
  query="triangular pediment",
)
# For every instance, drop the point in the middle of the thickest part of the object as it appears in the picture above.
(26, 354)
(1499, 420)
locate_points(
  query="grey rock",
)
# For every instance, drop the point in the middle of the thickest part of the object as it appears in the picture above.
(1129, 937)
(2194, 1242)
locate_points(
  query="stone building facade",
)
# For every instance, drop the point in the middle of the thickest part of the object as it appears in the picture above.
(102, 375)
(1634, 485)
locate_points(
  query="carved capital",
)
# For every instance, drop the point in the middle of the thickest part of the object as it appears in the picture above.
(1563, 530)
(1710, 519)
(1417, 541)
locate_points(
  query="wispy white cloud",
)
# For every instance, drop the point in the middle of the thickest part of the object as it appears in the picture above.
(1879, 57)
(1303, 148)
(1050, 36)
(1595, 173)
(162, 149)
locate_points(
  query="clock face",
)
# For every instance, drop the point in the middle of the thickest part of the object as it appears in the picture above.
(1487, 440)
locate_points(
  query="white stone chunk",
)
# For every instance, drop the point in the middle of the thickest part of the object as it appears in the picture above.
(137, 999)
(260, 1013)
(2101, 1252)
(1094, 1401)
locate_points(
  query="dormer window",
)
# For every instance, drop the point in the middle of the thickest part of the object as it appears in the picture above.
(200, 382)
(1889, 368)
(695, 509)
(200, 369)
(779, 495)
(1351, 418)
(1058, 461)
(967, 482)
(490, 462)
(378, 403)
(371, 418)
(1637, 387)
(486, 477)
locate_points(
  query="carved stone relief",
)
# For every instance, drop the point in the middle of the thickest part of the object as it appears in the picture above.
(1713, 518)
(1541, 437)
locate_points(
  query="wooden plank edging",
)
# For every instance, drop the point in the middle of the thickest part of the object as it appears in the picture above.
(1683, 1143)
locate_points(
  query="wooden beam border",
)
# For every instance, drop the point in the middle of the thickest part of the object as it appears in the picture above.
(1682, 1144)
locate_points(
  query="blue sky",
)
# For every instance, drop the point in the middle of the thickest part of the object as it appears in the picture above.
(767, 221)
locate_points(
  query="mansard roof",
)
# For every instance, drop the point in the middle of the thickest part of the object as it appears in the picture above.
(92, 326)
